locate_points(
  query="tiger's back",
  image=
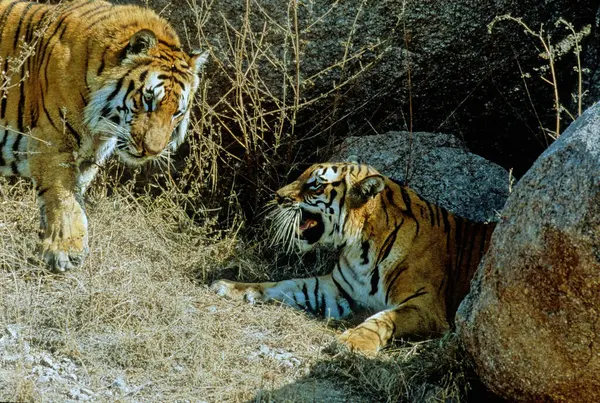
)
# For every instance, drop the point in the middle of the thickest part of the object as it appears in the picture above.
(445, 249)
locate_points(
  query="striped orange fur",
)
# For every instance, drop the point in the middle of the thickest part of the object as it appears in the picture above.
(408, 260)
(85, 79)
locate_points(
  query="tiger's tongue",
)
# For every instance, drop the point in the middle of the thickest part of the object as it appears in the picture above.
(309, 223)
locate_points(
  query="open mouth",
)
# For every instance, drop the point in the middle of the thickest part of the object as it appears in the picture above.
(311, 227)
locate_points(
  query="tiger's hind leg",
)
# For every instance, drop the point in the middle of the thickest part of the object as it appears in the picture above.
(63, 221)
(318, 295)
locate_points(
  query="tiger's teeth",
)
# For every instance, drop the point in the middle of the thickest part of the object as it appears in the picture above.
(309, 223)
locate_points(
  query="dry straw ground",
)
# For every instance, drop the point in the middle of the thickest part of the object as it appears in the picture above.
(138, 323)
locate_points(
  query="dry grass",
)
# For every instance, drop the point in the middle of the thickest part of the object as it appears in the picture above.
(137, 322)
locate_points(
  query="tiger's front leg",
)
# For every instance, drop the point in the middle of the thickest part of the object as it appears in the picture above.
(318, 295)
(63, 221)
(421, 316)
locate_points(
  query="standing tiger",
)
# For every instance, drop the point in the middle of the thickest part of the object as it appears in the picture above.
(399, 255)
(81, 80)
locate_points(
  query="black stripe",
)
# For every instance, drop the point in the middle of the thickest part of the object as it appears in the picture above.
(84, 101)
(74, 133)
(49, 117)
(365, 252)
(347, 297)
(374, 280)
(93, 11)
(385, 210)
(407, 202)
(47, 60)
(2, 144)
(344, 277)
(116, 90)
(101, 67)
(388, 244)
(42, 191)
(420, 291)
(445, 219)
(3, 105)
(390, 285)
(103, 15)
(15, 146)
(5, 16)
(169, 45)
(341, 204)
(3, 24)
(332, 196)
(21, 104)
(307, 304)
(431, 214)
(86, 61)
(316, 292)
(21, 20)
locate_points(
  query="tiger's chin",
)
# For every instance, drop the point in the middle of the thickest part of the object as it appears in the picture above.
(311, 228)
(133, 160)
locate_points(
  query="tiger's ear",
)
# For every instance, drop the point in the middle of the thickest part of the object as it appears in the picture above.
(197, 60)
(141, 42)
(364, 190)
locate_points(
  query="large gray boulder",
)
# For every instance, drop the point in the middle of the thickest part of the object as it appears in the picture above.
(531, 322)
(429, 64)
(438, 166)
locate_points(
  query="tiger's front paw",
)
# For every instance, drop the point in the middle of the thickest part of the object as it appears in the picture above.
(65, 239)
(237, 291)
(64, 254)
(361, 340)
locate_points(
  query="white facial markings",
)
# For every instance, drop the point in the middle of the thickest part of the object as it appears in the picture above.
(329, 174)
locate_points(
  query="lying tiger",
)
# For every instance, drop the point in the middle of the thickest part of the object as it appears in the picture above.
(84, 79)
(401, 256)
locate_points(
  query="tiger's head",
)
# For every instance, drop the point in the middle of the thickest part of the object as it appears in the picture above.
(142, 107)
(323, 206)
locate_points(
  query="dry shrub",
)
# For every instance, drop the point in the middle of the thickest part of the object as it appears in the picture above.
(250, 138)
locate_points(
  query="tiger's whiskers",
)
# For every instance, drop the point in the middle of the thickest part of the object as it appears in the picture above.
(285, 222)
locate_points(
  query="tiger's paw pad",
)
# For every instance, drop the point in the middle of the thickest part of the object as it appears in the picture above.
(231, 290)
(360, 340)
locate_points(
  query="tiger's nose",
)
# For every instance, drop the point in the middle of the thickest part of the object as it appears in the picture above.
(154, 144)
(281, 199)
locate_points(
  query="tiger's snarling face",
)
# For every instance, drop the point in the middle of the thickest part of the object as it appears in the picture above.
(316, 208)
(144, 113)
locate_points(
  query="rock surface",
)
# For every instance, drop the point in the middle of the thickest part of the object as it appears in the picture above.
(532, 320)
(462, 78)
(438, 167)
